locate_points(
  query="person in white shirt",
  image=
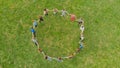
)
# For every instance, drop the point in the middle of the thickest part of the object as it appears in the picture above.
(64, 12)
(82, 28)
(35, 41)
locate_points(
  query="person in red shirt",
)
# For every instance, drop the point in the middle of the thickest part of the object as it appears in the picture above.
(72, 17)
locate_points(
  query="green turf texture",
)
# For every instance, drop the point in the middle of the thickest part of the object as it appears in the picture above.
(102, 34)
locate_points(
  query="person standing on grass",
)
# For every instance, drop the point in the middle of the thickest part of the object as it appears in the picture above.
(45, 12)
(80, 21)
(72, 17)
(55, 11)
(33, 32)
(34, 23)
(41, 19)
(35, 41)
(64, 12)
(82, 28)
(81, 46)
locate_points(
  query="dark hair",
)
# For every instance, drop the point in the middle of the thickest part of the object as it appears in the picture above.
(59, 58)
(45, 9)
(46, 57)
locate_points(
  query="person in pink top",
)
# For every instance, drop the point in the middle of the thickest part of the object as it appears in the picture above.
(72, 17)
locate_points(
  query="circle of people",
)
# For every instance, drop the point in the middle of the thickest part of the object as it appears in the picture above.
(63, 14)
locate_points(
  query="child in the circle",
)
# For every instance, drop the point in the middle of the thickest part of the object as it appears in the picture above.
(55, 11)
(40, 50)
(80, 21)
(81, 46)
(35, 41)
(33, 32)
(41, 19)
(72, 17)
(82, 28)
(64, 12)
(34, 23)
(45, 12)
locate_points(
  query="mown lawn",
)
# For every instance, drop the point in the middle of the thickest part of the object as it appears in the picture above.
(102, 34)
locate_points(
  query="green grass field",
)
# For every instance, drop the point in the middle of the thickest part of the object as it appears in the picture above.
(58, 36)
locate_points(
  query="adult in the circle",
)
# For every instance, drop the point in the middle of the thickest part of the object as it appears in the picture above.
(55, 11)
(64, 12)
(35, 41)
(72, 17)
(41, 19)
(33, 32)
(80, 21)
(82, 28)
(34, 23)
(45, 12)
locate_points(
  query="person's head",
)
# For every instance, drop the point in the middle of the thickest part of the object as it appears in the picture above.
(59, 58)
(40, 50)
(45, 9)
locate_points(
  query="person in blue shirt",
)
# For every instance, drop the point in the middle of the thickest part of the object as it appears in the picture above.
(81, 46)
(34, 23)
(33, 32)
